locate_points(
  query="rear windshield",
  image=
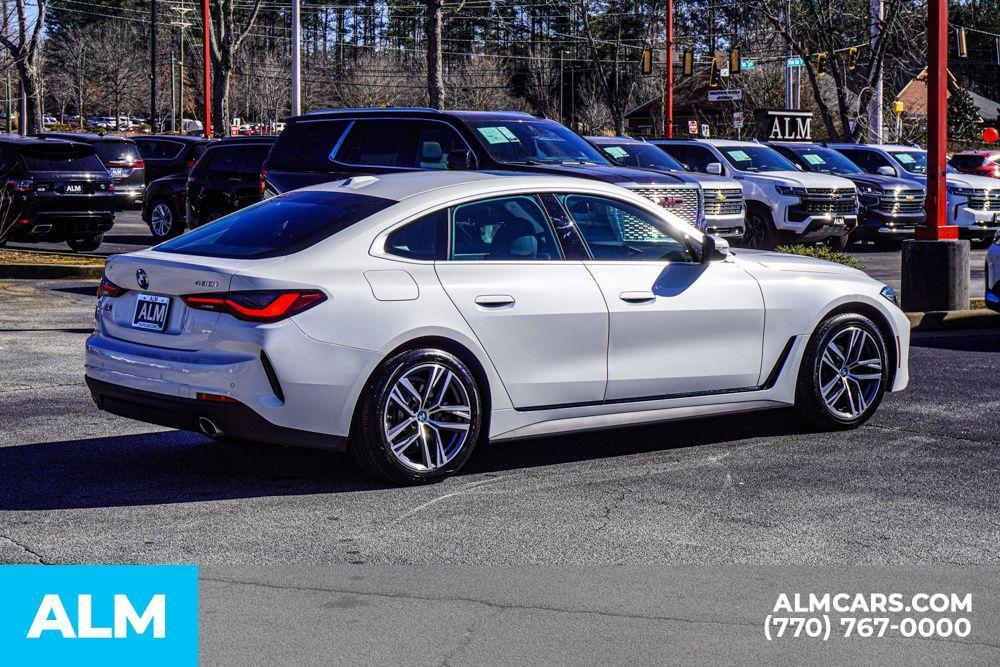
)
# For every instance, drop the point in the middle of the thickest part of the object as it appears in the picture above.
(306, 146)
(280, 226)
(61, 158)
(117, 152)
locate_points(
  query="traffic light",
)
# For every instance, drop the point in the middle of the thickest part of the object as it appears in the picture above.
(647, 62)
(688, 63)
(735, 64)
(852, 57)
(714, 78)
(963, 45)
(820, 64)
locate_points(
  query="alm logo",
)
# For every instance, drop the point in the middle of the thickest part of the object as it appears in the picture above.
(52, 617)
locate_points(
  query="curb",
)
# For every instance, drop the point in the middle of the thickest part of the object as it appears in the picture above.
(49, 271)
(954, 320)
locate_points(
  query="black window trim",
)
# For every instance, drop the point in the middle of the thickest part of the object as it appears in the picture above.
(353, 121)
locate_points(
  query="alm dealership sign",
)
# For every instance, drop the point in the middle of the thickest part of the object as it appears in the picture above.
(784, 125)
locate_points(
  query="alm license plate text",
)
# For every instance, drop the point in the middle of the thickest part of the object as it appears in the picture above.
(151, 312)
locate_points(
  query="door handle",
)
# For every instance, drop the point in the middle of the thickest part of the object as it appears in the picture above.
(637, 297)
(235, 179)
(494, 300)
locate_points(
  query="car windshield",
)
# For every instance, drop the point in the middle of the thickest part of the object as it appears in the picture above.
(641, 155)
(968, 161)
(534, 142)
(915, 162)
(279, 226)
(756, 159)
(827, 161)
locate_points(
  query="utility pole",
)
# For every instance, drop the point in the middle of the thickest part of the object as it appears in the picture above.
(183, 23)
(561, 85)
(296, 58)
(875, 106)
(206, 41)
(173, 92)
(789, 96)
(668, 73)
(152, 68)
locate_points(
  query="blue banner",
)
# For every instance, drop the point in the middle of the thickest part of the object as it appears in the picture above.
(99, 614)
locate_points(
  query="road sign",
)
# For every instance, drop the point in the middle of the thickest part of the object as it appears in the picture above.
(726, 95)
(747, 63)
(738, 119)
(795, 61)
(693, 127)
(705, 131)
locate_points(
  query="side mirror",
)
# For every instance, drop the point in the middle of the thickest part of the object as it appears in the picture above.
(885, 170)
(714, 168)
(459, 159)
(713, 248)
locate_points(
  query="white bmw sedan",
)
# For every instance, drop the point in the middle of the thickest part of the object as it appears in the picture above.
(410, 318)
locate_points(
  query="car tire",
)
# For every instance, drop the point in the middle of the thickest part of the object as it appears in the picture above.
(839, 243)
(164, 222)
(87, 244)
(842, 392)
(401, 434)
(981, 242)
(211, 214)
(759, 232)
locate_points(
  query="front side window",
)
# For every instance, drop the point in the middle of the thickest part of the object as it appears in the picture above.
(381, 143)
(421, 239)
(435, 142)
(618, 231)
(869, 161)
(278, 226)
(756, 159)
(506, 228)
(534, 142)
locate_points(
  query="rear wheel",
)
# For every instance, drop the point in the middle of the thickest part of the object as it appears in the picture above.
(759, 231)
(163, 220)
(211, 214)
(85, 244)
(844, 373)
(419, 420)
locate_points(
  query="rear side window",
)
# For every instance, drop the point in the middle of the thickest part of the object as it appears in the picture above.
(279, 226)
(62, 158)
(162, 150)
(197, 150)
(306, 146)
(117, 152)
(421, 239)
(381, 143)
(253, 158)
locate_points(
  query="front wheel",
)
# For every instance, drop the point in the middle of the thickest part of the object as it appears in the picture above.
(419, 420)
(844, 373)
(839, 243)
(759, 232)
(87, 244)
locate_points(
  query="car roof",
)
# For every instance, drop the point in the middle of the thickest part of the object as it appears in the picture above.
(255, 139)
(888, 148)
(980, 153)
(186, 138)
(796, 145)
(88, 136)
(18, 140)
(420, 112)
(613, 140)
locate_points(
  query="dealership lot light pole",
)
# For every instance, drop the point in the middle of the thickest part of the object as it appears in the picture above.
(668, 72)
(206, 38)
(936, 264)
(296, 58)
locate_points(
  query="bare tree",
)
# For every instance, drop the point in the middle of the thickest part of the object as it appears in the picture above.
(20, 37)
(120, 74)
(376, 79)
(72, 74)
(479, 83)
(230, 25)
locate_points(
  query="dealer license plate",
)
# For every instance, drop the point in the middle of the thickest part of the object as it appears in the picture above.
(151, 312)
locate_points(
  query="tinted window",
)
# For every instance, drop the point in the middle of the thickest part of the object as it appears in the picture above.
(306, 146)
(116, 152)
(869, 161)
(641, 155)
(381, 143)
(421, 239)
(280, 226)
(534, 141)
(435, 142)
(826, 161)
(253, 158)
(615, 230)
(153, 149)
(224, 159)
(968, 161)
(508, 228)
(756, 159)
(197, 150)
(62, 158)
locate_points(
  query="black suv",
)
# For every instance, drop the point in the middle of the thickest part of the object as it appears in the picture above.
(331, 145)
(226, 178)
(121, 157)
(54, 190)
(891, 208)
(168, 154)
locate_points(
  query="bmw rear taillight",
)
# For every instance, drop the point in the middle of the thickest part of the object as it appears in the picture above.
(257, 306)
(108, 288)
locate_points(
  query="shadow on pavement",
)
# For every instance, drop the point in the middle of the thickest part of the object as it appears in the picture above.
(128, 239)
(178, 467)
(985, 341)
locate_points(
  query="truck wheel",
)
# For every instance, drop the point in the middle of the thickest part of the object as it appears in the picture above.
(839, 243)
(759, 232)
(85, 244)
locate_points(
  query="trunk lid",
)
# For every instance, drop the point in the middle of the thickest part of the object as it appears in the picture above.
(169, 275)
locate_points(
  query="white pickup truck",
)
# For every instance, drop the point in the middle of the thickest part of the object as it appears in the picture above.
(784, 203)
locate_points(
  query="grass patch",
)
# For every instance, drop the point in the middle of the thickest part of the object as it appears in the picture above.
(820, 252)
(21, 257)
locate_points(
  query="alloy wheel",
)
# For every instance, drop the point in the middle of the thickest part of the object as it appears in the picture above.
(850, 372)
(755, 232)
(427, 417)
(161, 219)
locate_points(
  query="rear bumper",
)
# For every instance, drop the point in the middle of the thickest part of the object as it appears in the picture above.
(234, 419)
(61, 225)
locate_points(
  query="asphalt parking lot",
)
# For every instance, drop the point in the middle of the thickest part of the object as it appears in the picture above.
(917, 485)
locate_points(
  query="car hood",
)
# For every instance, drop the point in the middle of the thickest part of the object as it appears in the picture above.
(973, 181)
(880, 181)
(706, 181)
(802, 179)
(624, 176)
(794, 263)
